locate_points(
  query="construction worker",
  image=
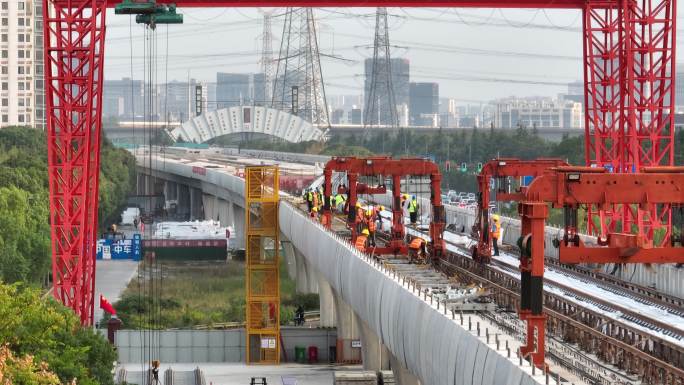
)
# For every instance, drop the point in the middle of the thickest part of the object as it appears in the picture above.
(359, 220)
(495, 233)
(316, 198)
(417, 248)
(372, 226)
(155, 372)
(378, 215)
(324, 219)
(309, 199)
(340, 202)
(361, 240)
(413, 210)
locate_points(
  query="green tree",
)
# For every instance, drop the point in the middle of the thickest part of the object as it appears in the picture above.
(52, 334)
(24, 200)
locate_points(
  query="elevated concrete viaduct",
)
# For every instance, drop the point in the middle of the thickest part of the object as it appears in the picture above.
(397, 328)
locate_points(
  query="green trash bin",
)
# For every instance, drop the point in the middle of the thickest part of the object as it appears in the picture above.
(300, 354)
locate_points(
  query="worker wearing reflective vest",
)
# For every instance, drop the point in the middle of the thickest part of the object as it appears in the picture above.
(359, 220)
(413, 210)
(339, 202)
(308, 196)
(316, 198)
(372, 227)
(417, 248)
(495, 232)
(361, 240)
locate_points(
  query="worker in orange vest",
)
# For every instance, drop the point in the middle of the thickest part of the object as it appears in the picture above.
(417, 248)
(324, 220)
(372, 226)
(495, 233)
(359, 220)
(361, 240)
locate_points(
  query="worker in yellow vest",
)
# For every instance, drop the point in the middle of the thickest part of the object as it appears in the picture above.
(495, 233)
(413, 210)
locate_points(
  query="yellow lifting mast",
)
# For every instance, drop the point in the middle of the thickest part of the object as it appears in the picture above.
(262, 305)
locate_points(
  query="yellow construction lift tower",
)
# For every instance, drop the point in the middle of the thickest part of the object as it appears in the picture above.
(262, 272)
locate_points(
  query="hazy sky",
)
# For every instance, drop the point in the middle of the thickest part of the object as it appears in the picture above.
(474, 55)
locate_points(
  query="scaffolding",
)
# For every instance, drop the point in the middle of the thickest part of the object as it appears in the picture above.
(261, 265)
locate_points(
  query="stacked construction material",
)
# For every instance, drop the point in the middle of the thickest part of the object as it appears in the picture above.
(386, 377)
(356, 378)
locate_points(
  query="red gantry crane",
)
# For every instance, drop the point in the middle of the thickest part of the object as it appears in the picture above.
(629, 72)
(569, 188)
(387, 168)
(501, 169)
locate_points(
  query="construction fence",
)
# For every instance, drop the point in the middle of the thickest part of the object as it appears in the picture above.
(206, 346)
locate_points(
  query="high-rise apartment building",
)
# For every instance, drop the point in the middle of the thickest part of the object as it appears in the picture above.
(123, 98)
(22, 91)
(424, 104)
(400, 81)
(679, 88)
(538, 112)
(234, 89)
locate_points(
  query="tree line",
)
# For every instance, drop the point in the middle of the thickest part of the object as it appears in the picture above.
(470, 146)
(41, 341)
(24, 201)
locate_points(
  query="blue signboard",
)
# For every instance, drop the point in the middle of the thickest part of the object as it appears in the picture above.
(526, 180)
(120, 249)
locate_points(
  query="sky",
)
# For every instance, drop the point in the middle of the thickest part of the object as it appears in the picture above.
(475, 55)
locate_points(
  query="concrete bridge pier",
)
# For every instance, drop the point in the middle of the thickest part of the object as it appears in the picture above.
(347, 332)
(183, 193)
(326, 299)
(307, 277)
(196, 210)
(402, 376)
(309, 280)
(289, 255)
(170, 190)
(374, 353)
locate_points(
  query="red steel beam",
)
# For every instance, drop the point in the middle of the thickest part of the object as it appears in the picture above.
(74, 50)
(557, 4)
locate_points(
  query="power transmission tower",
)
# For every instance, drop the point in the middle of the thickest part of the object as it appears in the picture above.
(299, 84)
(381, 106)
(267, 56)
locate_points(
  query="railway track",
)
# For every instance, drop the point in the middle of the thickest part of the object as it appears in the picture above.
(638, 343)
(628, 341)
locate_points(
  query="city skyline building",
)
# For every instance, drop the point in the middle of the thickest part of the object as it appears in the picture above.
(400, 75)
(22, 92)
(424, 104)
(538, 112)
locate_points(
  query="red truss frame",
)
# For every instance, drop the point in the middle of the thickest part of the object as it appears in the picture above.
(629, 51)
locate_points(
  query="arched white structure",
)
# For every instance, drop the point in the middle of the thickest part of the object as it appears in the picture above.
(259, 120)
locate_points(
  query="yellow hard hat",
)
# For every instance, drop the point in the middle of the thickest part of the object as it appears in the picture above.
(315, 209)
(365, 232)
(358, 204)
(382, 208)
(495, 218)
